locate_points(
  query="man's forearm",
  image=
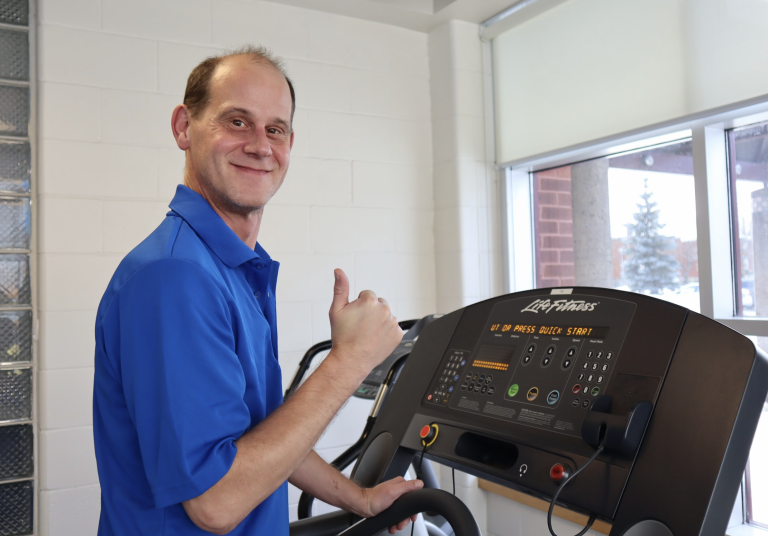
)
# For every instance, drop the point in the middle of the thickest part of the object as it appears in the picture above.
(270, 453)
(324, 482)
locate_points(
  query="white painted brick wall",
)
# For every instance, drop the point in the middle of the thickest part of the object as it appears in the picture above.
(358, 194)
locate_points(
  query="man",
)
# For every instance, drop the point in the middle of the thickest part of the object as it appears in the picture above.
(189, 429)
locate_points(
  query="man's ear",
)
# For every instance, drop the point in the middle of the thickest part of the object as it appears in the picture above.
(180, 126)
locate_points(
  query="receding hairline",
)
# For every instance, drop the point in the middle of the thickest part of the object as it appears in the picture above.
(197, 92)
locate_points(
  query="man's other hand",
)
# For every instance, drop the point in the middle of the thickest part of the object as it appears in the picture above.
(363, 331)
(381, 497)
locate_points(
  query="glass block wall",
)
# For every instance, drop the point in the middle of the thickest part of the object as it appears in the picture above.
(17, 469)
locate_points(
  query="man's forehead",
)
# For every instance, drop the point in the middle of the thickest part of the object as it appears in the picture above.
(247, 71)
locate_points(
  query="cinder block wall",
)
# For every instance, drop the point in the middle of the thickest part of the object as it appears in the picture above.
(358, 194)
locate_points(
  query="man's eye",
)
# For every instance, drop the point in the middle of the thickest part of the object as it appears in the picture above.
(238, 123)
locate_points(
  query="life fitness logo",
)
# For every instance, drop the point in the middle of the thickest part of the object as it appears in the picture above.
(559, 305)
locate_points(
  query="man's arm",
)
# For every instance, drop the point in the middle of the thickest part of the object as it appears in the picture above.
(322, 481)
(363, 332)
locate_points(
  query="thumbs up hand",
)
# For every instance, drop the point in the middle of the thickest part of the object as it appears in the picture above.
(363, 331)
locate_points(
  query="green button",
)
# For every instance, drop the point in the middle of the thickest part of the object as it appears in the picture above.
(513, 389)
(595, 391)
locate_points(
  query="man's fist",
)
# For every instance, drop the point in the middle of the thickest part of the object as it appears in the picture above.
(363, 331)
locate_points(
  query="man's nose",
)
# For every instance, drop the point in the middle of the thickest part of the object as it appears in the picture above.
(258, 144)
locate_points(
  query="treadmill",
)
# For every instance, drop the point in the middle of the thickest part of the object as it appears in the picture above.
(626, 408)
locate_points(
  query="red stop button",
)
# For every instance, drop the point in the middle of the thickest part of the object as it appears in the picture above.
(558, 472)
(425, 431)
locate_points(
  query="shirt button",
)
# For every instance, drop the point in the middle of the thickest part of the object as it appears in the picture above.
(259, 266)
(257, 294)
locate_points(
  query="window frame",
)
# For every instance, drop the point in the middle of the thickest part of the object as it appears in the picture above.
(708, 131)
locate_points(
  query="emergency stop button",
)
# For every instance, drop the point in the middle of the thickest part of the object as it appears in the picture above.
(559, 472)
(428, 434)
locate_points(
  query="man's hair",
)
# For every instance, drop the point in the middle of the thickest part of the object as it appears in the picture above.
(197, 94)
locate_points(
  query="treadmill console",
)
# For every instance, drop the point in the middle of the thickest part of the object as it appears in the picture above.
(523, 384)
(537, 362)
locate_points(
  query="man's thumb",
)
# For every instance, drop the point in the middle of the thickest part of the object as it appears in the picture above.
(340, 290)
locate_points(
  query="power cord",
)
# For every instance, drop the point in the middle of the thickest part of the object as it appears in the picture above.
(453, 475)
(562, 486)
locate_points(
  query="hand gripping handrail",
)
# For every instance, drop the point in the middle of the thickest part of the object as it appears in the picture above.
(433, 500)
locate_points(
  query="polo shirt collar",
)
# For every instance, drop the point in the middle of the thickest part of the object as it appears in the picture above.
(209, 226)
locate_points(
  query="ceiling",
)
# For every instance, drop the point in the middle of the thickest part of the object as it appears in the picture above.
(419, 15)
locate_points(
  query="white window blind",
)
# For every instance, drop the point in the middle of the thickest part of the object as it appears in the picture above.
(589, 69)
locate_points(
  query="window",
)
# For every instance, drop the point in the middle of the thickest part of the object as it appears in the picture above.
(625, 221)
(17, 441)
(679, 212)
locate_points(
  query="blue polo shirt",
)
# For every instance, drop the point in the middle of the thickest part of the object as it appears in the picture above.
(186, 363)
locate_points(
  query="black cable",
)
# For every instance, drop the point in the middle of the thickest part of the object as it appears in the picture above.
(453, 475)
(562, 486)
(418, 475)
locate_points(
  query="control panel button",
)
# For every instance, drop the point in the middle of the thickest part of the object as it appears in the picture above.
(474, 377)
(585, 365)
(595, 391)
(580, 377)
(575, 402)
(559, 472)
(600, 379)
(488, 378)
(483, 389)
(450, 389)
(531, 348)
(491, 390)
(567, 364)
(513, 389)
(604, 367)
(595, 365)
(553, 397)
(571, 351)
(429, 397)
(609, 356)
(477, 387)
(463, 362)
(576, 388)
(585, 404)
(599, 355)
(533, 392)
(526, 360)
(590, 354)
(585, 390)
(590, 377)
(471, 387)
(551, 349)
(546, 361)
(428, 434)
(456, 378)
(464, 386)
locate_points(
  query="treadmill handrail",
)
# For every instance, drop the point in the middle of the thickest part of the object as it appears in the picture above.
(351, 454)
(415, 502)
(322, 346)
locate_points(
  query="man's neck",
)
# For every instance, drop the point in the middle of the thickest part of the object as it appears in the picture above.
(245, 226)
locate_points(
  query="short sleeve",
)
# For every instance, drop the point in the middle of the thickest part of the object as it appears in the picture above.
(182, 379)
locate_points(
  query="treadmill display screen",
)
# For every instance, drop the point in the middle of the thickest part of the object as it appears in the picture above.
(494, 357)
(554, 331)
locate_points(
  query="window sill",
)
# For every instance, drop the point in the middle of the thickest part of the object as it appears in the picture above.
(746, 530)
(562, 513)
(599, 526)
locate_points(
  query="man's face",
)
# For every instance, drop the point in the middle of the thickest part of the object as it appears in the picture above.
(240, 143)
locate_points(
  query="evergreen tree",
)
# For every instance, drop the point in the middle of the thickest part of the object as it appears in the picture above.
(649, 266)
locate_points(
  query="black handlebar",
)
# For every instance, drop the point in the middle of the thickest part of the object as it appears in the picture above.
(415, 502)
